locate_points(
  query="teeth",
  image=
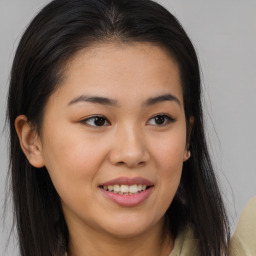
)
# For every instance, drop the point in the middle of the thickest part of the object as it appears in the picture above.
(116, 188)
(133, 189)
(125, 189)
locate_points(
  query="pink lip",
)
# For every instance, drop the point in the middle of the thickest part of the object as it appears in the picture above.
(128, 181)
(128, 200)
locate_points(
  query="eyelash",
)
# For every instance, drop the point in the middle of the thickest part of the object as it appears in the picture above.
(167, 119)
(94, 118)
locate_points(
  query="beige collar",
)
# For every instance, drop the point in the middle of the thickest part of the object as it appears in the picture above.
(185, 244)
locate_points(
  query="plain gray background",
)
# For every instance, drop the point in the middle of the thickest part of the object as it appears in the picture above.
(224, 35)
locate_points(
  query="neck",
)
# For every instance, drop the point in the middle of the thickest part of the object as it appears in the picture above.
(150, 243)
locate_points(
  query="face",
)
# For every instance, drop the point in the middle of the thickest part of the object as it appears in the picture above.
(113, 138)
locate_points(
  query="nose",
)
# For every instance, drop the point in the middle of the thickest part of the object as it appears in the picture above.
(129, 148)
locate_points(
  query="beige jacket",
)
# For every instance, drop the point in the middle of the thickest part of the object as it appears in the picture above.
(185, 244)
(243, 242)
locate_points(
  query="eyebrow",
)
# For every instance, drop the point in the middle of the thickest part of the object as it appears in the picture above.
(112, 102)
(94, 99)
(161, 98)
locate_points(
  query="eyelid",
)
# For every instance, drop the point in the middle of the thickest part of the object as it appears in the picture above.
(169, 118)
(85, 120)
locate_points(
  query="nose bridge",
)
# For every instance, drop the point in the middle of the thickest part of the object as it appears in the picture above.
(129, 146)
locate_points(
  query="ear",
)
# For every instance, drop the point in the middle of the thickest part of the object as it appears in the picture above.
(190, 125)
(29, 141)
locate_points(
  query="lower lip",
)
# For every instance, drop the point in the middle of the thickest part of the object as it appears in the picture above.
(128, 200)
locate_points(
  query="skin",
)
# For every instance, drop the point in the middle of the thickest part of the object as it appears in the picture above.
(80, 156)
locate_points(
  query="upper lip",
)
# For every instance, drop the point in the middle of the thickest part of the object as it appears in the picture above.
(128, 181)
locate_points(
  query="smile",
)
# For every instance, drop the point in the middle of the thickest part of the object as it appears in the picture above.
(125, 189)
(127, 192)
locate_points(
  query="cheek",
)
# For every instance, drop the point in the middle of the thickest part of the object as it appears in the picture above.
(169, 150)
(72, 161)
(170, 162)
(168, 156)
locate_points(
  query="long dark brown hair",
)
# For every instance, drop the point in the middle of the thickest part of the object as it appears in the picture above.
(61, 29)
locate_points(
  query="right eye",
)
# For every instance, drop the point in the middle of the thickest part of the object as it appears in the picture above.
(96, 121)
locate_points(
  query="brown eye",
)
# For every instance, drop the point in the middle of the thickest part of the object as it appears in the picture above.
(160, 120)
(96, 121)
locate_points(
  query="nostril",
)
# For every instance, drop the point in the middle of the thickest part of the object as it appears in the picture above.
(121, 163)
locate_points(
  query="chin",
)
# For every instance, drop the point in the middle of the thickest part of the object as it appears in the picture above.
(130, 227)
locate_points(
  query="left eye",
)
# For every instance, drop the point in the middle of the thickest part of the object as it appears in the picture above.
(160, 120)
(97, 121)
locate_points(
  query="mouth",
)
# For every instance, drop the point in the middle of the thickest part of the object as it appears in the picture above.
(127, 192)
(125, 189)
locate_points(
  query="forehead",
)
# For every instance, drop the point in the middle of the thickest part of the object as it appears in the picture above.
(116, 69)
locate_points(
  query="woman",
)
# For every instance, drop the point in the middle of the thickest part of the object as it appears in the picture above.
(108, 152)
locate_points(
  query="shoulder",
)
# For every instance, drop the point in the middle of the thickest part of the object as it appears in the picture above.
(185, 243)
(243, 241)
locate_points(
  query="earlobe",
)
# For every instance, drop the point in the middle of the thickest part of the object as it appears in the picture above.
(187, 155)
(29, 141)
